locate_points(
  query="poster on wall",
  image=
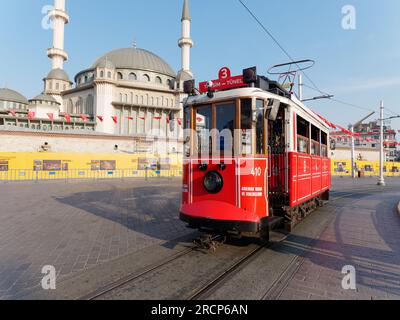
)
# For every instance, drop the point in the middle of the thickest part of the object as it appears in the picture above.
(52, 165)
(108, 165)
(3, 166)
(37, 165)
(95, 165)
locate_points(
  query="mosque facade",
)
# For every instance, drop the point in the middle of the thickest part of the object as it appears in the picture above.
(126, 92)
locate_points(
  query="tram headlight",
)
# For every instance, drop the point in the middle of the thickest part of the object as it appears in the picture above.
(213, 182)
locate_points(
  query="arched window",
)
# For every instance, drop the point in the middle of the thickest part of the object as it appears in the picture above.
(158, 80)
(79, 106)
(70, 106)
(120, 76)
(89, 108)
(57, 86)
(50, 85)
(102, 74)
(109, 74)
(132, 76)
(146, 77)
(169, 83)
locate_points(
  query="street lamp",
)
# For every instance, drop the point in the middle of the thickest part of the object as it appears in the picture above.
(381, 181)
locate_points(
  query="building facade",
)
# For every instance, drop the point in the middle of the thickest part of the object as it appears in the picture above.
(125, 92)
(367, 143)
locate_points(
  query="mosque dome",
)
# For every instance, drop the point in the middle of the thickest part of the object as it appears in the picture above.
(58, 74)
(12, 96)
(135, 58)
(44, 98)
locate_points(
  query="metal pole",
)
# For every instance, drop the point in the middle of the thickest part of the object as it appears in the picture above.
(300, 91)
(353, 152)
(381, 181)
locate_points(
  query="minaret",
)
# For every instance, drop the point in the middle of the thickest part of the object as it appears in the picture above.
(59, 17)
(57, 80)
(186, 43)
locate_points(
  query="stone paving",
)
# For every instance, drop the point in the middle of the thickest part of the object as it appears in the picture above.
(79, 225)
(365, 233)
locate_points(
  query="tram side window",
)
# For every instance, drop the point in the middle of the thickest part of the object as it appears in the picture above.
(303, 134)
(246, 122)
(315, 141)
(324, 144)
(203, 128)
(225, 125)
(260, 127)
(187, 127)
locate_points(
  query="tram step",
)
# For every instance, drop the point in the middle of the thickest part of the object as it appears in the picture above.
(275, 222)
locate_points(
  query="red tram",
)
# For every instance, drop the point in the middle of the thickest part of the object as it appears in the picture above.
(254, 154)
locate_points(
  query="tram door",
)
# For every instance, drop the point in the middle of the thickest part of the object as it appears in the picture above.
(277, 154)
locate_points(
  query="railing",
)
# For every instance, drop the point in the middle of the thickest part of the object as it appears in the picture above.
(87, 174)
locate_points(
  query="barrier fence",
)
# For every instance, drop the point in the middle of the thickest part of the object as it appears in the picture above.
(32, 175)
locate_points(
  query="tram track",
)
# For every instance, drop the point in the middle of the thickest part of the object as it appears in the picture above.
(218, 281)
(132, 277)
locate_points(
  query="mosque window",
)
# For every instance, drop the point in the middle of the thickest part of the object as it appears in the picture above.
(109, 74)
(169, 82)
(120, 76)
(86, 79)
(158, 80)
(102, 74)
(146, 77)
(132, 76)
(89, 109)
(65, 87)
(57, 86)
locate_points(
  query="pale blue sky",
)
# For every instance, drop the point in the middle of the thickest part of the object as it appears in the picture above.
(360, 66)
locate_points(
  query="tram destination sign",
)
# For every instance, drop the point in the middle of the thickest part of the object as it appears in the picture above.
(225, 81)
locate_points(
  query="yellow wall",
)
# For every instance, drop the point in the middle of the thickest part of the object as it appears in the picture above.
(364, 166)
(79, 165)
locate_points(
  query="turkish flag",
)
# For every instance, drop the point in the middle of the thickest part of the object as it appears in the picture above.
(157, 118)
(130, 118)
(67, 118)
(100, 118)
(31, 115)
(84, 118)
(142, 118)
(115, 119)
(13, 112)
(168, 120)
(51, 116)
(179, 121)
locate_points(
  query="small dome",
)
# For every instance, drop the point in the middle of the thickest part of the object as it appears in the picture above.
(45, 98)
(134, 58)
(58, 74)
(12, 96)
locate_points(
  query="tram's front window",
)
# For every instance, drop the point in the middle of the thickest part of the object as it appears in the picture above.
(225, 125)
(203, 129)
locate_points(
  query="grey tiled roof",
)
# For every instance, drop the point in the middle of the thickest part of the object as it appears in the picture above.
(13, 96)
(134, 58)
(58, 74)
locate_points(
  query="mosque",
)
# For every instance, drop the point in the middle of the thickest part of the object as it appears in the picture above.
(125, 92)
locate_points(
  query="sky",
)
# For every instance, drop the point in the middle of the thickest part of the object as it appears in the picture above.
(359, 66)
